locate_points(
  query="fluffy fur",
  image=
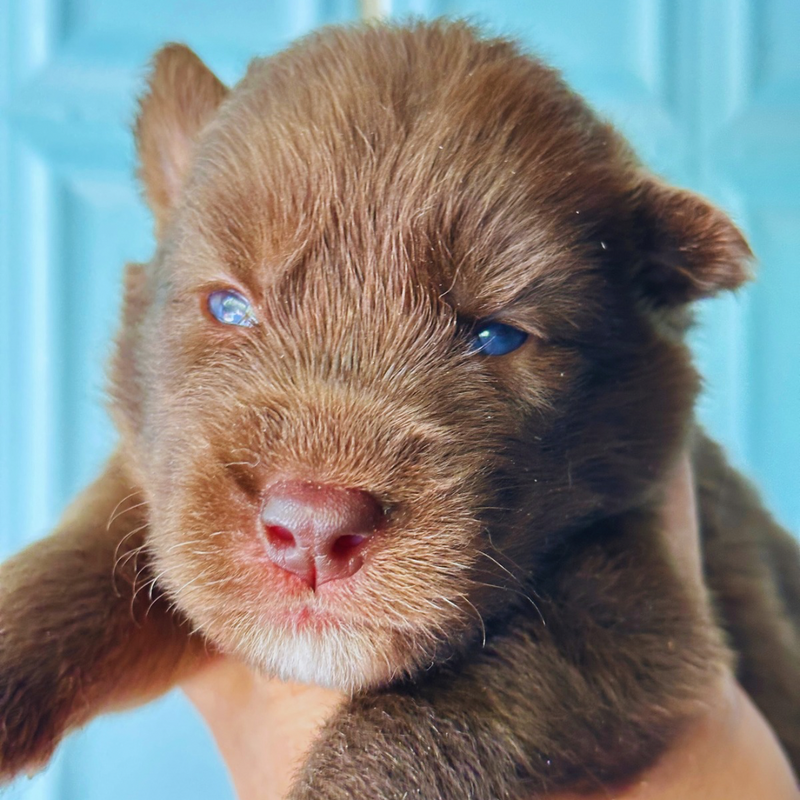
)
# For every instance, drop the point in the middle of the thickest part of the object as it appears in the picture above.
(517, 625)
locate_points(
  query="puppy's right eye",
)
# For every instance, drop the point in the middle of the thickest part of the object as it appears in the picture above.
(231, 308)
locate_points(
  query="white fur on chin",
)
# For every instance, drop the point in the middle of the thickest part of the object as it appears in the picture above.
(344, 658)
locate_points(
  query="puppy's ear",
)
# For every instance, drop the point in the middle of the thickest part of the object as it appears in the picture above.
(690, 248)
(183, 95)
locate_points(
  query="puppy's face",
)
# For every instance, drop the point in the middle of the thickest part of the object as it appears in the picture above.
(414, 319)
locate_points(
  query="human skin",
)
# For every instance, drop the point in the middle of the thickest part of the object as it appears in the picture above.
(263, 727)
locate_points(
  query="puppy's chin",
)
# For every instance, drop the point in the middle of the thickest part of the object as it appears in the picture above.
(345, 659)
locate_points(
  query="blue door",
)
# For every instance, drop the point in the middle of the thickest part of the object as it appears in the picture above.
(708, 91)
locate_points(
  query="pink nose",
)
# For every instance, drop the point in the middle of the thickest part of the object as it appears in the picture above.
(318, 532)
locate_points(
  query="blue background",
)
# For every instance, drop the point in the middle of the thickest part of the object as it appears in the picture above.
(708, 90)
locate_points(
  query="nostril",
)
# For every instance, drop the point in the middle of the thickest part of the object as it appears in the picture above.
(280, 536)
(345, 545)
(317, 531)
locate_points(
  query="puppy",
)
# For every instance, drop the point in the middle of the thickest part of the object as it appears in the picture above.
(397, 396)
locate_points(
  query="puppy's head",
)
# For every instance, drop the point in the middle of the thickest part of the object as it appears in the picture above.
(415, 316)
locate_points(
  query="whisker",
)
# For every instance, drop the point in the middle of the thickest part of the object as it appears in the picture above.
(189, 543)
(153, 600)
(241, 464)
(505, 569)
(134, 595)
(118, 555)
(478, 615)
(117, 512)
(151, 584)
(116, 507)
(255, 456)
(519, 594)
(510, 561)
(125, 557)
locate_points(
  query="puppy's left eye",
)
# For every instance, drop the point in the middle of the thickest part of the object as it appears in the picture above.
(231, 308)
(492, 338)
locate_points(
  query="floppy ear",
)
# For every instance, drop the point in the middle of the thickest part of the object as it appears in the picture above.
(690, 249)
(183, 95)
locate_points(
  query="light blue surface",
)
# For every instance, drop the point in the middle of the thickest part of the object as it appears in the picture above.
(708, 90)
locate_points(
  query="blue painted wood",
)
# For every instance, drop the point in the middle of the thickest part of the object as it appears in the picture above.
(708, 91)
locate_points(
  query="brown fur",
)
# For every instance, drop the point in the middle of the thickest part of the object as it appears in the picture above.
(80, 632)
(518, 625)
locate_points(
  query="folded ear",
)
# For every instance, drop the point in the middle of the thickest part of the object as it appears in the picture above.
(690, 249)
(183, 95)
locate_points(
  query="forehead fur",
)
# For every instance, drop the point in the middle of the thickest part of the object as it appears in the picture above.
(425, 149)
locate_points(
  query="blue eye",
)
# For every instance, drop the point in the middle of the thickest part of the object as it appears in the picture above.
(496, 339)
(230, 308)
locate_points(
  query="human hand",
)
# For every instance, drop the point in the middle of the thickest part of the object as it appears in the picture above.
(263, 727)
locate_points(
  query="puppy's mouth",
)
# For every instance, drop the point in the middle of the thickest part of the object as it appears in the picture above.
(305, 618)
(312, 619)
(303, 602)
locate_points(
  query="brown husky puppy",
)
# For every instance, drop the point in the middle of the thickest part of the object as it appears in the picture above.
(396, 399)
